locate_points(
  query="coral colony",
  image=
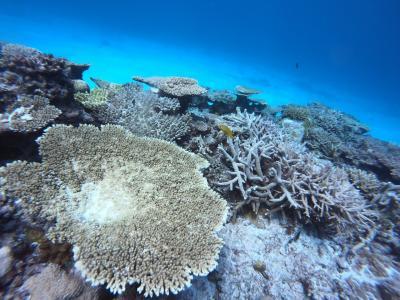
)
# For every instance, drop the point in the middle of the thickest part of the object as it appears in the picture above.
(161, 186)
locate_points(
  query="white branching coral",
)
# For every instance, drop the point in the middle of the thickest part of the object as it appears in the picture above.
(136, 210)
(268, 166)
(141, 112)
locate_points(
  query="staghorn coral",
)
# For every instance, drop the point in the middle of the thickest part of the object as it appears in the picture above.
(269, 167)
(142, 112)
(27, 114)
(134, 209)
(174, 86)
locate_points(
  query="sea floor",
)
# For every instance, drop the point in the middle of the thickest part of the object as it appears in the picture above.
(116, 57)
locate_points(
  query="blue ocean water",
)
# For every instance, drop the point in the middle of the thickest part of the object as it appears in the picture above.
(342, 53)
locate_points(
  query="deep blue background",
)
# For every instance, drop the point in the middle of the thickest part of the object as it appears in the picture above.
(351, 45)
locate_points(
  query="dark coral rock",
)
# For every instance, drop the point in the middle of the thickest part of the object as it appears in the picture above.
(35, 89)
(27, 71)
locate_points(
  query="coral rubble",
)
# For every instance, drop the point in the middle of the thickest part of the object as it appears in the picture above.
(134, 209)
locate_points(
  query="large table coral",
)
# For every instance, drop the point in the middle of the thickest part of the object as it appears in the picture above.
(136, 210)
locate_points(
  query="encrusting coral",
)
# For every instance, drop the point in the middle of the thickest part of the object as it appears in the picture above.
(136, 210)
(272, 168)
(142, 112)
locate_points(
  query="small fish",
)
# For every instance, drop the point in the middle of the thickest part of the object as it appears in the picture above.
(226, 130)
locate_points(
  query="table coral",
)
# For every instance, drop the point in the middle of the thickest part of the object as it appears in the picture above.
(174, 86)
(136, 210)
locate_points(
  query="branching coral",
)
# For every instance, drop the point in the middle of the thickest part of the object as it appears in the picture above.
(134, 209)
(28, 114)
(174, 86)
(142, 112)
(269, 167)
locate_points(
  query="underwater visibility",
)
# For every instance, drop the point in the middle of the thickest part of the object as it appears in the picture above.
(210, 150)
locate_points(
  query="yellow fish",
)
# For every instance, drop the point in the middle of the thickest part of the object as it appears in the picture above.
(226, 130)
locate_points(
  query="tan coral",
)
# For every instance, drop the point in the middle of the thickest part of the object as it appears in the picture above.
(174, 86)
(134, 209)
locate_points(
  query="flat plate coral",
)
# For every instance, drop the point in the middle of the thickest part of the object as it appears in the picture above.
(134, 209)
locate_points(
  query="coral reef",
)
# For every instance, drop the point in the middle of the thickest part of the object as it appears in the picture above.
(134, 209)
(142, 112)
(315, 200)
(174, 86)
(269, 167)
